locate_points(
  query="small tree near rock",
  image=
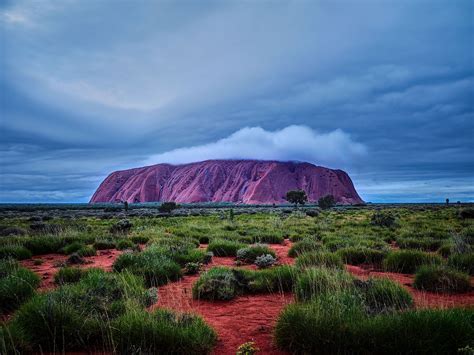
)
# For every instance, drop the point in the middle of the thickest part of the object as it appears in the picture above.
(167, 207)
(326, 202)
(296, 197)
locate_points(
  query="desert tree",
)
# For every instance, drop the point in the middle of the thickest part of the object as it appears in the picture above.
(327, 202)
(296, 197)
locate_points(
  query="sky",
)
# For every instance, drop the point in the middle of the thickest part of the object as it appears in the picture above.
(381, 89)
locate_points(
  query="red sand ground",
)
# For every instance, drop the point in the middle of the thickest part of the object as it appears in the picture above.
(103, 260)
(249, 317)
(246, 318)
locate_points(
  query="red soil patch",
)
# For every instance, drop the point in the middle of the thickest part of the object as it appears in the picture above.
(245, 318)
(423, 299)
(103, 260)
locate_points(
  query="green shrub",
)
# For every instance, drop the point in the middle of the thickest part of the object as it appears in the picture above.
(319, 258)
(217, 284)
(383, 296)
(268, 238)
(445, 250)
(304, 246)
(87, 250)
(192, 268)
(17, 252)
(162, 332)
(277, 279)
(156, 268)
(427, 244)
(40, 245)
(462, 262)
(383, 219)
(122, 227)
(439, 278)
(264, 261)
(250, 253)
(317, 281)
(360, 255)
(123, 244)
(68, 275)
(104, 244)
(204, 239)
(326, 325)
(327, 202)
(17, 284)
(190, 256)
(74, 247)
(336, 324)
(77, 316)
(139, 239)
(408, 261)
(222, 247)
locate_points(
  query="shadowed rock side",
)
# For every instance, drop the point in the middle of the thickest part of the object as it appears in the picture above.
(239, 181)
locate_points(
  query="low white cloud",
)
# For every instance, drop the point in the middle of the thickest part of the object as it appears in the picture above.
(293, 143)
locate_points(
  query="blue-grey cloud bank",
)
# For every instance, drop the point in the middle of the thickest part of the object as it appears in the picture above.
(382, 89)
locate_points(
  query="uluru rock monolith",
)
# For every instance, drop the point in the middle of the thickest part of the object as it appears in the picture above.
(237, 181)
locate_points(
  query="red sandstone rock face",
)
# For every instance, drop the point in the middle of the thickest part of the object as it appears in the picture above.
(239, 181)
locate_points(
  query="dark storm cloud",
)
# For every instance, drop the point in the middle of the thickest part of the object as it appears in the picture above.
(89, 87)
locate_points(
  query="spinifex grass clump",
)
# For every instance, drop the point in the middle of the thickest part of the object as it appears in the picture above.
(337, 324)
(67, 275)
(304, 246)
(426, 244)
(361, 255)
(222, 247)
(319, 258)
(17, 252)
(408, 261)
(77, 316)
(221, 283)
(154, 266)
(104, 244)
(73, 247)
(383, 296)
(314, 282)
(462, 262)
(17, 284)
(439, 278)
(162, 332)
(250, 253)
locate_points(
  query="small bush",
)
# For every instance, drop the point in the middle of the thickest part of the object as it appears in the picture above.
(204, 239)
(445, 250)
(248, 348)
(123, 226)
(466, 213)
(264, 261)
(360, 255)
(163, 332)
(104, 244)
(156, 268)
(17, 284)
(319, 259)
(314, 282)
(221, 247)
(336, 324)
(8, 231)
(87, 250)
(268, 238)
(383, 219)
(124, 244)
(383, 296)
(408, 261)
(327, 202)
(168, 207)
(462, 262)
(192, 268)
(304, 246)
(139, 239)
(67, 275)
(72, 248)
(40, 245)
(217, 284)
(276, 279)
(438, 278)
(17, 252)
(427, 244)
(250, 253)
(75, 259)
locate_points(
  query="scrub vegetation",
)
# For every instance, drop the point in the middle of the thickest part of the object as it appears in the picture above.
(320, 259)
